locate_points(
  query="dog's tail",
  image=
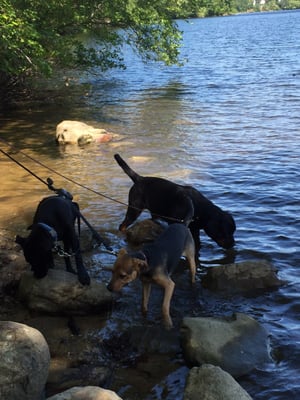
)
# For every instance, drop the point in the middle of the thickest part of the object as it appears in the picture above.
(125, 167)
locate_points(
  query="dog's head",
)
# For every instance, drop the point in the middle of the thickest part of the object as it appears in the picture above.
(221, 229)
(125, 270)
(37, 249)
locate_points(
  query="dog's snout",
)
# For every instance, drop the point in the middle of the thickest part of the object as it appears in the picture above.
(122, 228)
(226, 243)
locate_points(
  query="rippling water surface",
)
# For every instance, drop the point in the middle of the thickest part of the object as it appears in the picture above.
(228, 122)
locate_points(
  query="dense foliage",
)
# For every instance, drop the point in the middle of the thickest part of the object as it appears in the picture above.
(39, 35)
(36, 35)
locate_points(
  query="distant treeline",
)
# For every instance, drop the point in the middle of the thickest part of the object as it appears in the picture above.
(209, 8)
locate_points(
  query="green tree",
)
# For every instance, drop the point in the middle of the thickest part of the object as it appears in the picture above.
(38, 35)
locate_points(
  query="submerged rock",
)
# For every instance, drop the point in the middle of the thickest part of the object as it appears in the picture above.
(76, 132)
(212, 383)
(61, 293)
(24, 362)
(242, 277)
(237, 344)
(143, 231)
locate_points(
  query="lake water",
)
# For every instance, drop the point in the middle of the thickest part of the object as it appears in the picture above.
(227, 122)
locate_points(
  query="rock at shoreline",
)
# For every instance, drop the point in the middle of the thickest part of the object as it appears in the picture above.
(212, 383)
(86, 393)
(143, 231)
(76, 132)
(12, 267)
(24, 362)
(61, 293)
(237, 344)
(242, 277)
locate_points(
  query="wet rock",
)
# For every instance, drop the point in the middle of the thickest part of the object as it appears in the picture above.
(86, 393)
(154, 339)
(76, 132)
(61, 293)
(62, 377)
(212, 383)
(143, 231)
(24, 362)
(242, 277)
(12, 264)
(237, 344)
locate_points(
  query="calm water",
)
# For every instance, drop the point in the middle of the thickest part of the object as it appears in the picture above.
(228, 122)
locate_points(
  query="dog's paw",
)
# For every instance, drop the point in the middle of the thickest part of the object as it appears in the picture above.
(71, 270)
(84, 278)
(168, 324)
(39, 274)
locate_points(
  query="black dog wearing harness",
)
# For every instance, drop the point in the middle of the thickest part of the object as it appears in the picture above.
(53, 221)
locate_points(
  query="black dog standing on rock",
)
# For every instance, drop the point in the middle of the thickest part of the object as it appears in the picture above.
(177, 203)
(53, 221)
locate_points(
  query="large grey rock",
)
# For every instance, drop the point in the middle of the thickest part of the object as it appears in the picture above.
(237, 344)
(24, 362)
(242, 277)
(61, 293)
(212, 383)
(86, 393)
(76, 132)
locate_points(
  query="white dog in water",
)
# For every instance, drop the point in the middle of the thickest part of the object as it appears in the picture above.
(76, 132)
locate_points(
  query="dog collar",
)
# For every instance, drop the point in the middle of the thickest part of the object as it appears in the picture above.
(52, 232)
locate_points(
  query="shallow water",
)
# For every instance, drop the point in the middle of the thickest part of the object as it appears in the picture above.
(227, 123)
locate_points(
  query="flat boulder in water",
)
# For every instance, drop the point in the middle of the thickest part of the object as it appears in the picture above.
(237, 344)
(244, 277)
(60, 292)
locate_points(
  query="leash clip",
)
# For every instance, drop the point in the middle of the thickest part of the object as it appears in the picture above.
(60, 251)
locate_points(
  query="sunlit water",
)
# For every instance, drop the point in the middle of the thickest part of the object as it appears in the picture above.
(228, 123)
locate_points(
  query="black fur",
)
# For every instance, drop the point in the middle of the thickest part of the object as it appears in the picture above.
(173, 203)
(60, 214)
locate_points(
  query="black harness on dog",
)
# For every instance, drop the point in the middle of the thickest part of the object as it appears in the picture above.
(53, 234)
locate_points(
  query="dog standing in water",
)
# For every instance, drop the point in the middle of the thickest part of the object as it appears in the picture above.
(172, 202)
(53, 221)
(155, 263)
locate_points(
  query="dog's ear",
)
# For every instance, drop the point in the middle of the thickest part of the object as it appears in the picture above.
(122, 252)
(20, 240)
(85, 139)
(141, 265)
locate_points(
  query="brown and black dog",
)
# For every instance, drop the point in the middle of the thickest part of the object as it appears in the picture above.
(172, 202)
(154, 264)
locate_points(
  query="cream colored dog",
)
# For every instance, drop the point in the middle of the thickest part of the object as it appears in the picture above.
(76, 132)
